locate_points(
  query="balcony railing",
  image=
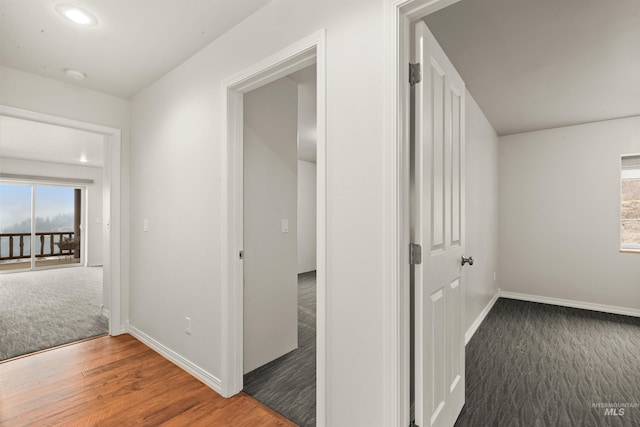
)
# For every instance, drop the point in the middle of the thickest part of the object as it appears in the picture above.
(50, 245)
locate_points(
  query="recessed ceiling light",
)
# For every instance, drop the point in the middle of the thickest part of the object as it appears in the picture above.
(77, 15)
(75, 74)
(83, 158)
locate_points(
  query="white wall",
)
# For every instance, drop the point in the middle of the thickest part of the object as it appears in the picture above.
(175, 182)
(307, 114)
(93, 194)
(307, 156)
(35, 93)
(270, 192)
(306, 216)
(481, 210)
(560, 213)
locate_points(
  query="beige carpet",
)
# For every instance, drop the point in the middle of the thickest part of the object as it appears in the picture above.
(47, 308)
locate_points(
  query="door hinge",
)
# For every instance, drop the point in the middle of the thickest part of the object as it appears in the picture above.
(241, 254)
(415, 254)
(415, 74)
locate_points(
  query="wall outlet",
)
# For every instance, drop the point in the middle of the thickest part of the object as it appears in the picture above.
(145, 225)
(285, 225)
(494, 276)
(187, 325)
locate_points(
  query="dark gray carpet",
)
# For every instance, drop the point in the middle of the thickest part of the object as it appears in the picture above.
(46, 308)
(288, 384)
(535, 364)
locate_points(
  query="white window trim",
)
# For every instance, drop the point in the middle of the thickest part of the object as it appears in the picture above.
(628, 173)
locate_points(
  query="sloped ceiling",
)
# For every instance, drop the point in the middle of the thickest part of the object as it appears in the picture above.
(541, 64)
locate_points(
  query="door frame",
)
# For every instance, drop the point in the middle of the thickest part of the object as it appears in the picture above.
(111, 207)
(399, 14)
(299, 55)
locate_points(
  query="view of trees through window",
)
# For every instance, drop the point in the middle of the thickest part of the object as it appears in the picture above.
(630, 202)
(54, 213)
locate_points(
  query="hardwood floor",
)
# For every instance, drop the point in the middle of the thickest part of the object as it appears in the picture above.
(116, 381)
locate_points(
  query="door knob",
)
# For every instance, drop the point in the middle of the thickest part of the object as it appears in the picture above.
(467, 260)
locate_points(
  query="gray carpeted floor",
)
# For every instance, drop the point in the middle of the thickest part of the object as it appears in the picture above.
(533, 364)
(47, 308)
(288, 384)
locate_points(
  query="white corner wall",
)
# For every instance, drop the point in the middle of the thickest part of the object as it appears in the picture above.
(176, 174)
(94, 194)
(560, 214)
(270, 192)
(307, 115)
(481, 211)
(306, 216)
(34, 93)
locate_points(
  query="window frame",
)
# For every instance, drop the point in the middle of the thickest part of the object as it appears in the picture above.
(626, 247)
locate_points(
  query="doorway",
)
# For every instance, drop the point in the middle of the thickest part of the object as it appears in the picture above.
(302, 54)
(50, 185)
(437, 223)
(107, 221)
(400, 353)
(279, 247)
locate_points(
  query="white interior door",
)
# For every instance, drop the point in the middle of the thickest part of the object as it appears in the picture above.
(270, 190)
(438, 226)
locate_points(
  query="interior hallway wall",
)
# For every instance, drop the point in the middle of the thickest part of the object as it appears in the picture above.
(306, 216)
(43, 95)
(307, 158)
(481, 210)
(176, 176)
(560, 213)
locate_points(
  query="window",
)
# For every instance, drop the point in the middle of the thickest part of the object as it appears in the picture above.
(28, 241)
(630, 203)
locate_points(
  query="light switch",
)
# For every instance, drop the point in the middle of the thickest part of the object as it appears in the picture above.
(285, 225)
(145, 226)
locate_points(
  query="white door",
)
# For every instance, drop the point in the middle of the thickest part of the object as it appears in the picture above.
(270, 191)
(438, 226)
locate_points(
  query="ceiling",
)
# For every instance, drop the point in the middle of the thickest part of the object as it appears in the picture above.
(541, 64)
(134, 43)
(28, 140)
(529, 64)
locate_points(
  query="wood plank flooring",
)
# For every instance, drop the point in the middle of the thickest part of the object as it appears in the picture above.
(116, 381)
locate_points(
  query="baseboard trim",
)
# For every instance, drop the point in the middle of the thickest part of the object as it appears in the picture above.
(483, 314)
(195, 370)
(613, 309)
